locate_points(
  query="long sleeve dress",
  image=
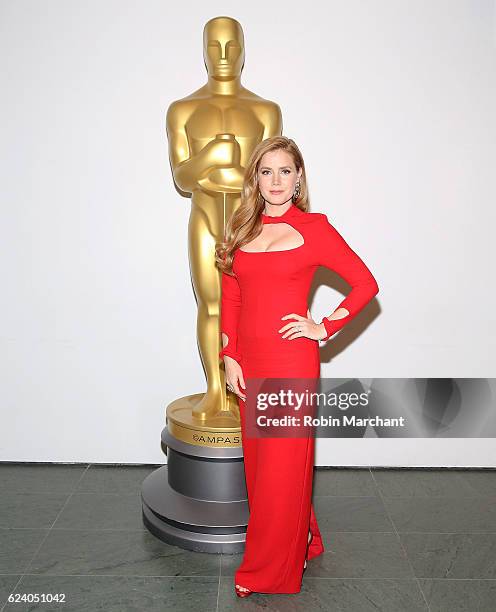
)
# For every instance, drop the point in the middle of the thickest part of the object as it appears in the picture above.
(279, 471)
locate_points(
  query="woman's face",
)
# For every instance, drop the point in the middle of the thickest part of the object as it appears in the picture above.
(277, 176)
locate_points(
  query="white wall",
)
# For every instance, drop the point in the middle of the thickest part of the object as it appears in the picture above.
(392, 104)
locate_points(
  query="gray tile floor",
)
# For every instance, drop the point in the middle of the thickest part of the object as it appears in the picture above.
(396, 540)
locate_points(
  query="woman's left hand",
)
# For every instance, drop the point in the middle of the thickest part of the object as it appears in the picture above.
(303, 327)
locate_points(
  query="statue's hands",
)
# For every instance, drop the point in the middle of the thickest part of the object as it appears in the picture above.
(222, 152)
(223, 180)
(303, 327)
(234, 377)
(222, 172)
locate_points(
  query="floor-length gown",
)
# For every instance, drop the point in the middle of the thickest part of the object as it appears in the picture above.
(279, 471)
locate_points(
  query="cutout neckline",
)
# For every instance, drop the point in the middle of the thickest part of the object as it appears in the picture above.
(278, 251)
(292, 211)
(284, 222)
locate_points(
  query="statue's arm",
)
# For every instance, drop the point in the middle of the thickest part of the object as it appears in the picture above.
(270, 116)
(186, 168)
(230, 180)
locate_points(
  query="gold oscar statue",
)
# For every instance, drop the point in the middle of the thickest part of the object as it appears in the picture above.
(198, 499)
(212, 133)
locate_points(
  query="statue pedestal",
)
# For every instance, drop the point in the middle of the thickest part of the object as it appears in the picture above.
(198, 501)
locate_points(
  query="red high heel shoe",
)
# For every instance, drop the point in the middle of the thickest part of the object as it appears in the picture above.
(310, 538)
(240, 593)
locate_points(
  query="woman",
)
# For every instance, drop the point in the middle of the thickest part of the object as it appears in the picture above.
(273, 247)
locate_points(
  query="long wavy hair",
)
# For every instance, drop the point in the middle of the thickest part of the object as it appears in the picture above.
(245, 223)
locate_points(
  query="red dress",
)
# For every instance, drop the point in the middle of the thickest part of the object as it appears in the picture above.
(279, 471)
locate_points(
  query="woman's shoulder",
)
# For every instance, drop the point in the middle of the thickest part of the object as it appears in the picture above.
(316, 219)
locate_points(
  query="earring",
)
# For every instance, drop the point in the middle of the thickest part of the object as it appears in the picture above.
(296, 193)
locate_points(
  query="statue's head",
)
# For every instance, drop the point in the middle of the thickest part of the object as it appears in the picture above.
(223, 48)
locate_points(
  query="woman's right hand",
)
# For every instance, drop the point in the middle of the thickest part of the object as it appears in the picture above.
(234, 377)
